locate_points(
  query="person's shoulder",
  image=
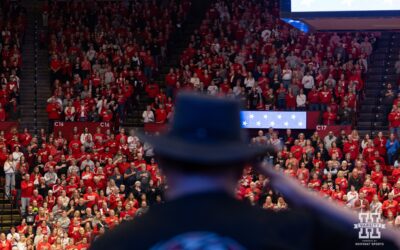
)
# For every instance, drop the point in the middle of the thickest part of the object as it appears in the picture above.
(238, 214)
(124, 236)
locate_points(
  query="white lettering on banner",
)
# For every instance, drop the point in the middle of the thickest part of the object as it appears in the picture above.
(369, 226)
(59, 124)
(104, 124)
(321, 127)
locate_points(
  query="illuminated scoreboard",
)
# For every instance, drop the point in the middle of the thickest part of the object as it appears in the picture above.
(344, 5)
(341, 14)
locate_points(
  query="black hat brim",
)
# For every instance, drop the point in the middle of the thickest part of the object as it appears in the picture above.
(199, 153)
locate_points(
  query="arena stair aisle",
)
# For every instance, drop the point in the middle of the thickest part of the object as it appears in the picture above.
(9, 214)
(176, 46)
(34, 68)
(371, 114)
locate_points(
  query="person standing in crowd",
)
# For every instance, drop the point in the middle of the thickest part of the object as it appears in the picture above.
(26, 192)
(9, 170)
(148, 115)
(329, 139)
(392, 148)
(308, 82)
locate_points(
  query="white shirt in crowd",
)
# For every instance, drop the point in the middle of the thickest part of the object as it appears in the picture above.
(108, 77)
(301, 100)
(308, 81)
(9, 167)
(212, 90)
(287, 74)
(375, 207)
(352, 196)
(17, 156)
(21, 245)
(195, 81)
(148, 116)
(14, 236)
(249, 82)
(328, 141)
(86, 137)
(237, 90)
(397, 66)
(50, 178)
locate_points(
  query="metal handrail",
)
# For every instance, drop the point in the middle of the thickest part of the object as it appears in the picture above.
(3, 206)
(11, 201)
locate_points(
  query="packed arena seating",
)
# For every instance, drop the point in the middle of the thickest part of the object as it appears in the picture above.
(70, 184)
(104, 53)
(393, 108)
(244, 52)
(79, 188)
(12, 27)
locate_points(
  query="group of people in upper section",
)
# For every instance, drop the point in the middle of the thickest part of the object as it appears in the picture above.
(245, 51)
(12, 29)
(104, 55)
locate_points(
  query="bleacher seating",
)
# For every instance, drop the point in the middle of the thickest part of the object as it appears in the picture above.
(12, 27)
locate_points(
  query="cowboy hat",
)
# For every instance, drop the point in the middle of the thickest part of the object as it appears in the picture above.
(205, 130)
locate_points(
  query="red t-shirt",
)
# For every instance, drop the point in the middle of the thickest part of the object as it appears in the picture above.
(329, 118)
(27, 189)
(389, 206)
(313, 97)
(152, 90)
(55, 65)
(91, 198)
(171, 79)
(87, 178)
(161, 115)
(53, 111)
(290, 101)
(343, 184)
(377, 177)
(325, 96)
(5, 245)
(369, 192)
(394, 119)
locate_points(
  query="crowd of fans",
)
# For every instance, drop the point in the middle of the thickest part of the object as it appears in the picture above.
(390, 98)
(72, 191)
(100, 64)
(12, 28)
(243, 50)
(105, 53)
(359, 173)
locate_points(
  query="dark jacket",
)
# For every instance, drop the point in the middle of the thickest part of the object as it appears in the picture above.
(217, 221)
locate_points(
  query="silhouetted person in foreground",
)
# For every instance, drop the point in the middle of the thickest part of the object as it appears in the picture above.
(203, 156)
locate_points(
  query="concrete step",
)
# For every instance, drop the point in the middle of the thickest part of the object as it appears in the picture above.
(370, 101)
(375, 77)
(370, 108)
